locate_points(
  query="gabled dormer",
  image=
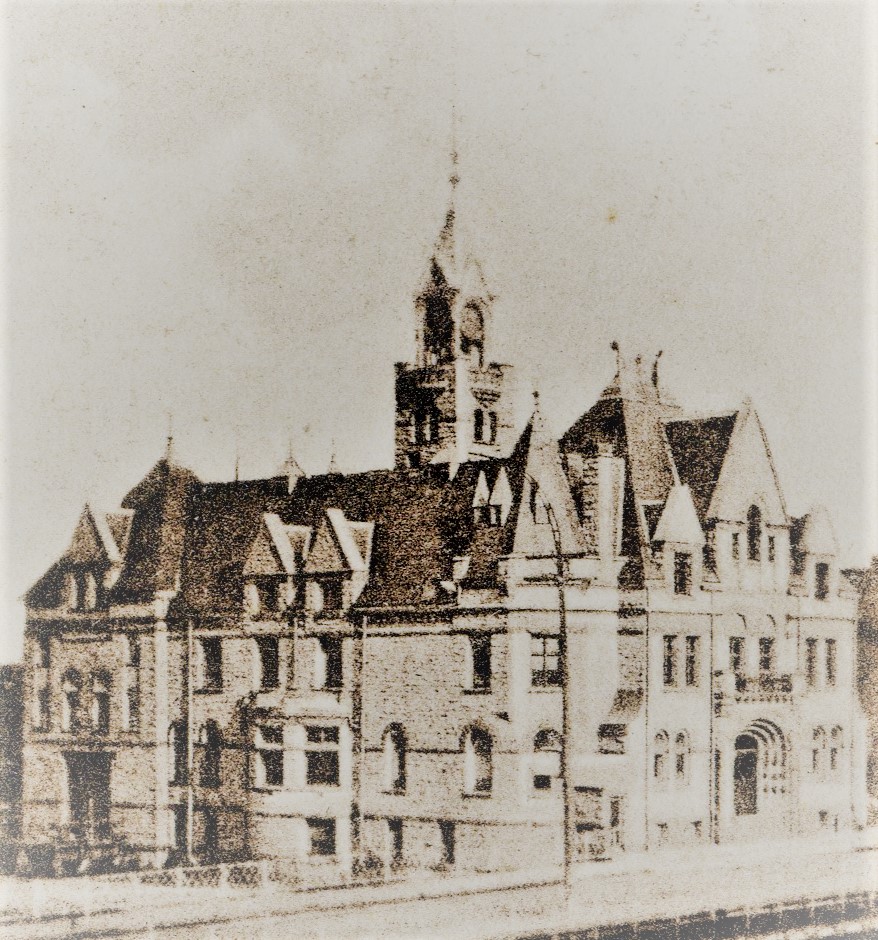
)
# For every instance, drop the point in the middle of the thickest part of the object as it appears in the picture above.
(82, 578)
(679, 540)
(337, 566)
(814, 555)
(273, 569)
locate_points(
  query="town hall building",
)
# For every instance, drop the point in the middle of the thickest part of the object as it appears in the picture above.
(620, 636)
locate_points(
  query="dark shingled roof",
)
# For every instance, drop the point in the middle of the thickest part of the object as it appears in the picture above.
(224, 519)
(699, 448)
(161, 504)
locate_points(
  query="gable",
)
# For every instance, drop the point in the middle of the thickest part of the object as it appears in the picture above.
(86, 545)
(326, 554)
(699, 449)
(747, 475)
(262, 558)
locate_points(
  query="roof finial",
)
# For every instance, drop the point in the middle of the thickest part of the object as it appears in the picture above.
(615, 347)
(169, 446)
(333, 462)
(237, 463)
(655, 369)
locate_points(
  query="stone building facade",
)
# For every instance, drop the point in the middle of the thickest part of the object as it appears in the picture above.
(379, 665)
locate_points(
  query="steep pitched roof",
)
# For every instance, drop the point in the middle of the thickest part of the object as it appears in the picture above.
(161, 504)
(224, 521)
(699, 448)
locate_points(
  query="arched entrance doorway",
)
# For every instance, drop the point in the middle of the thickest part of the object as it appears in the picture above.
(759, 782)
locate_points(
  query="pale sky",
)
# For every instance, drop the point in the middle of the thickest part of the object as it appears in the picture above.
(223, 211)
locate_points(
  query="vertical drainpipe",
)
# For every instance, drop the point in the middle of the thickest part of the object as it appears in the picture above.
(560, 579)
(357, 743)
(190, 748)
(711, 759)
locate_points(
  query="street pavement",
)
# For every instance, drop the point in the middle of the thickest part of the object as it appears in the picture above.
(473, 907)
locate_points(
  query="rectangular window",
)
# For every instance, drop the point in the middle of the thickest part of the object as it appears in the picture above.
(447, 833)
(269, 756)
(41, 714)
(830, 662)
(43, 651)
(209, 664)
(693, 644)
(545, 660)
(394, 840)
(669, 660)
(736, 545)
(321, 835)
(771, 549)
(821, 580)
(332, 665)
(811, 660)
(682, 573)
(766, 655)
(736, 655)
(269, 662)
(321, 755)
(481, 662)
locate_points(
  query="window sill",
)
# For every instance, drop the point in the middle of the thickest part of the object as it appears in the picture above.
(267, 788)
(476, 796)
(545, 688)
(394, 791)
(208, 690)
(485, 691)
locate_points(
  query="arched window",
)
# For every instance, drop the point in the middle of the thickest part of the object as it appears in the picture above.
(100, 703)
(547, 759)
(754, 532)
(746, 790)
(836, 743)
(71, 700)
(211, 740)
(177, 747)
(478, 747)
(818, 750)
(681, 757)
(394, 744)
(661, 756)
(492, 427)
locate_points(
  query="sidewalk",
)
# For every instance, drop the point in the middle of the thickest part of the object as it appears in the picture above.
(667, 884)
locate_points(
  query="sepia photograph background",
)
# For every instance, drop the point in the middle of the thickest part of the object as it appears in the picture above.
(216, 217)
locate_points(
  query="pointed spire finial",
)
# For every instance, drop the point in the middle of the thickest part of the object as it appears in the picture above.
(333, 462)
(169, 446)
